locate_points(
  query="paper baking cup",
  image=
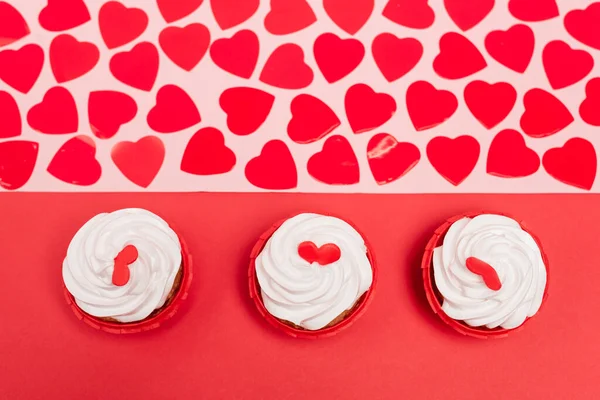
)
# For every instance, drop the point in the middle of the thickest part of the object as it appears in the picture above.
(434, 297)
(148, 323)
(254, 287)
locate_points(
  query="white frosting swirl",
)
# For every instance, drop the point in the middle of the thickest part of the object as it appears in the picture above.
(89, 265)
(312, 295)
(515, 256)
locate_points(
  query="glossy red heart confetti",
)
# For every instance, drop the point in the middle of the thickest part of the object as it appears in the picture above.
(17, 161)
(139, 161)
(389, 159)
(274, 168)
(285, 68)
(367, 109)
(70, 58)
(533, 10)
(349, 15)
(565, 66)
(467, 13)
(336, 57)
(207, 154)
(120, 25)
(289, 16)
(108, 110)
(75, 162)
(509, 156)
(61, 15)
(237, 55)
(490, 103)
(416, 14)
(486, 271)
(454, 159)
(396, 57)
(20, 69)
(12, 24)
(246, 108)
(10, 121)
(174, 111)
(512, 48)
(138, 67)
(336, 164)
(544, 114)
(427, 106)
(185, 46)
(583, 25)
(458, 57)
(56, 114)
(230, 13)
(324, 255)
(574, 164)
(590, 108)
(312, 119)
(121, 273)
(173, 11)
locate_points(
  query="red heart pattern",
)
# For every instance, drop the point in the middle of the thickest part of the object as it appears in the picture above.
(308, 59)
(324, 255)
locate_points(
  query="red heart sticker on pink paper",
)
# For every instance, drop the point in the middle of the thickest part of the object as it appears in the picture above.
(486, 271)
(174, 111)
(396, 57)
(207, 154)
(349, 15)
(230, 13)
(427, 106)
(17, 160)
(10, 120)
(75, 162)
(173, 11)
(467, 13)
(237, 55)
(12, 24)
(121, 272)
(138, 67)
(61, 15)
(454, 159)
(336, 57)
(574, 164)
(509, 156)
(108, 110)
(458, 57)
(533, 10)
(289, 16)
(564, 65)
(274, 168)
(589, 109)
(246, 108)
(120, 25)
(583, 25)
(21, 68)
(70, 58)
(324, 255)
(366, 109)
(512, 48)
(185, 46)
(389, 159)
(312, 119)
(139, 161)
(544, 114)
(285, 68)
(336, 164)
(56, 114)
(416, 14)
(490, 103)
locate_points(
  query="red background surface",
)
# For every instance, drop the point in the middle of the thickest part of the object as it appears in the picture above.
(218, 347)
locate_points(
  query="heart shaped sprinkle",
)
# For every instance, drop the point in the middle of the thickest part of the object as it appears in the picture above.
(121, 272)
(486, 271)
(324, 255)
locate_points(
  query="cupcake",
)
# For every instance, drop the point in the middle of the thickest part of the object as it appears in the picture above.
(126, 271)
(311, 275)
(485, 274)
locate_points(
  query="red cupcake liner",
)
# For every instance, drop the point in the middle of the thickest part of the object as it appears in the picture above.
(303, 333)
(435, 299)
(149, 323)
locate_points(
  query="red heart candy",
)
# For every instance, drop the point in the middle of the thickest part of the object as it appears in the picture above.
(574, 164)
(108, 110)
(565, 66)
(396, 57)
(416, 14)
(56, 114)
(70, 58)
(139, 161)
(121, 272)
(336, 164)
(237, 55)
(544, 114)
(274, 168)
(246, 108)
(390, 159)
(453, 159)
(458, 57)
(349, 15)
(512, 48)
(533, 10)
(12, 24)
(509, 156)
(230, 13)
(61, 15)
(337, 57)
(120, 25)
(589, 109)
(138, 67)
(172, 11)
(185, 46)
(427, 106)
(75, 162)
(21, 68)
(324, 255)
(289, 16)
(10, 119)
(486, 271)
(174, 111)
(286, 68)
(583, 25)
(490, 104)
(17, 160)
(366, 109)
(206, 154)
(467, 13)
(311, 120)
